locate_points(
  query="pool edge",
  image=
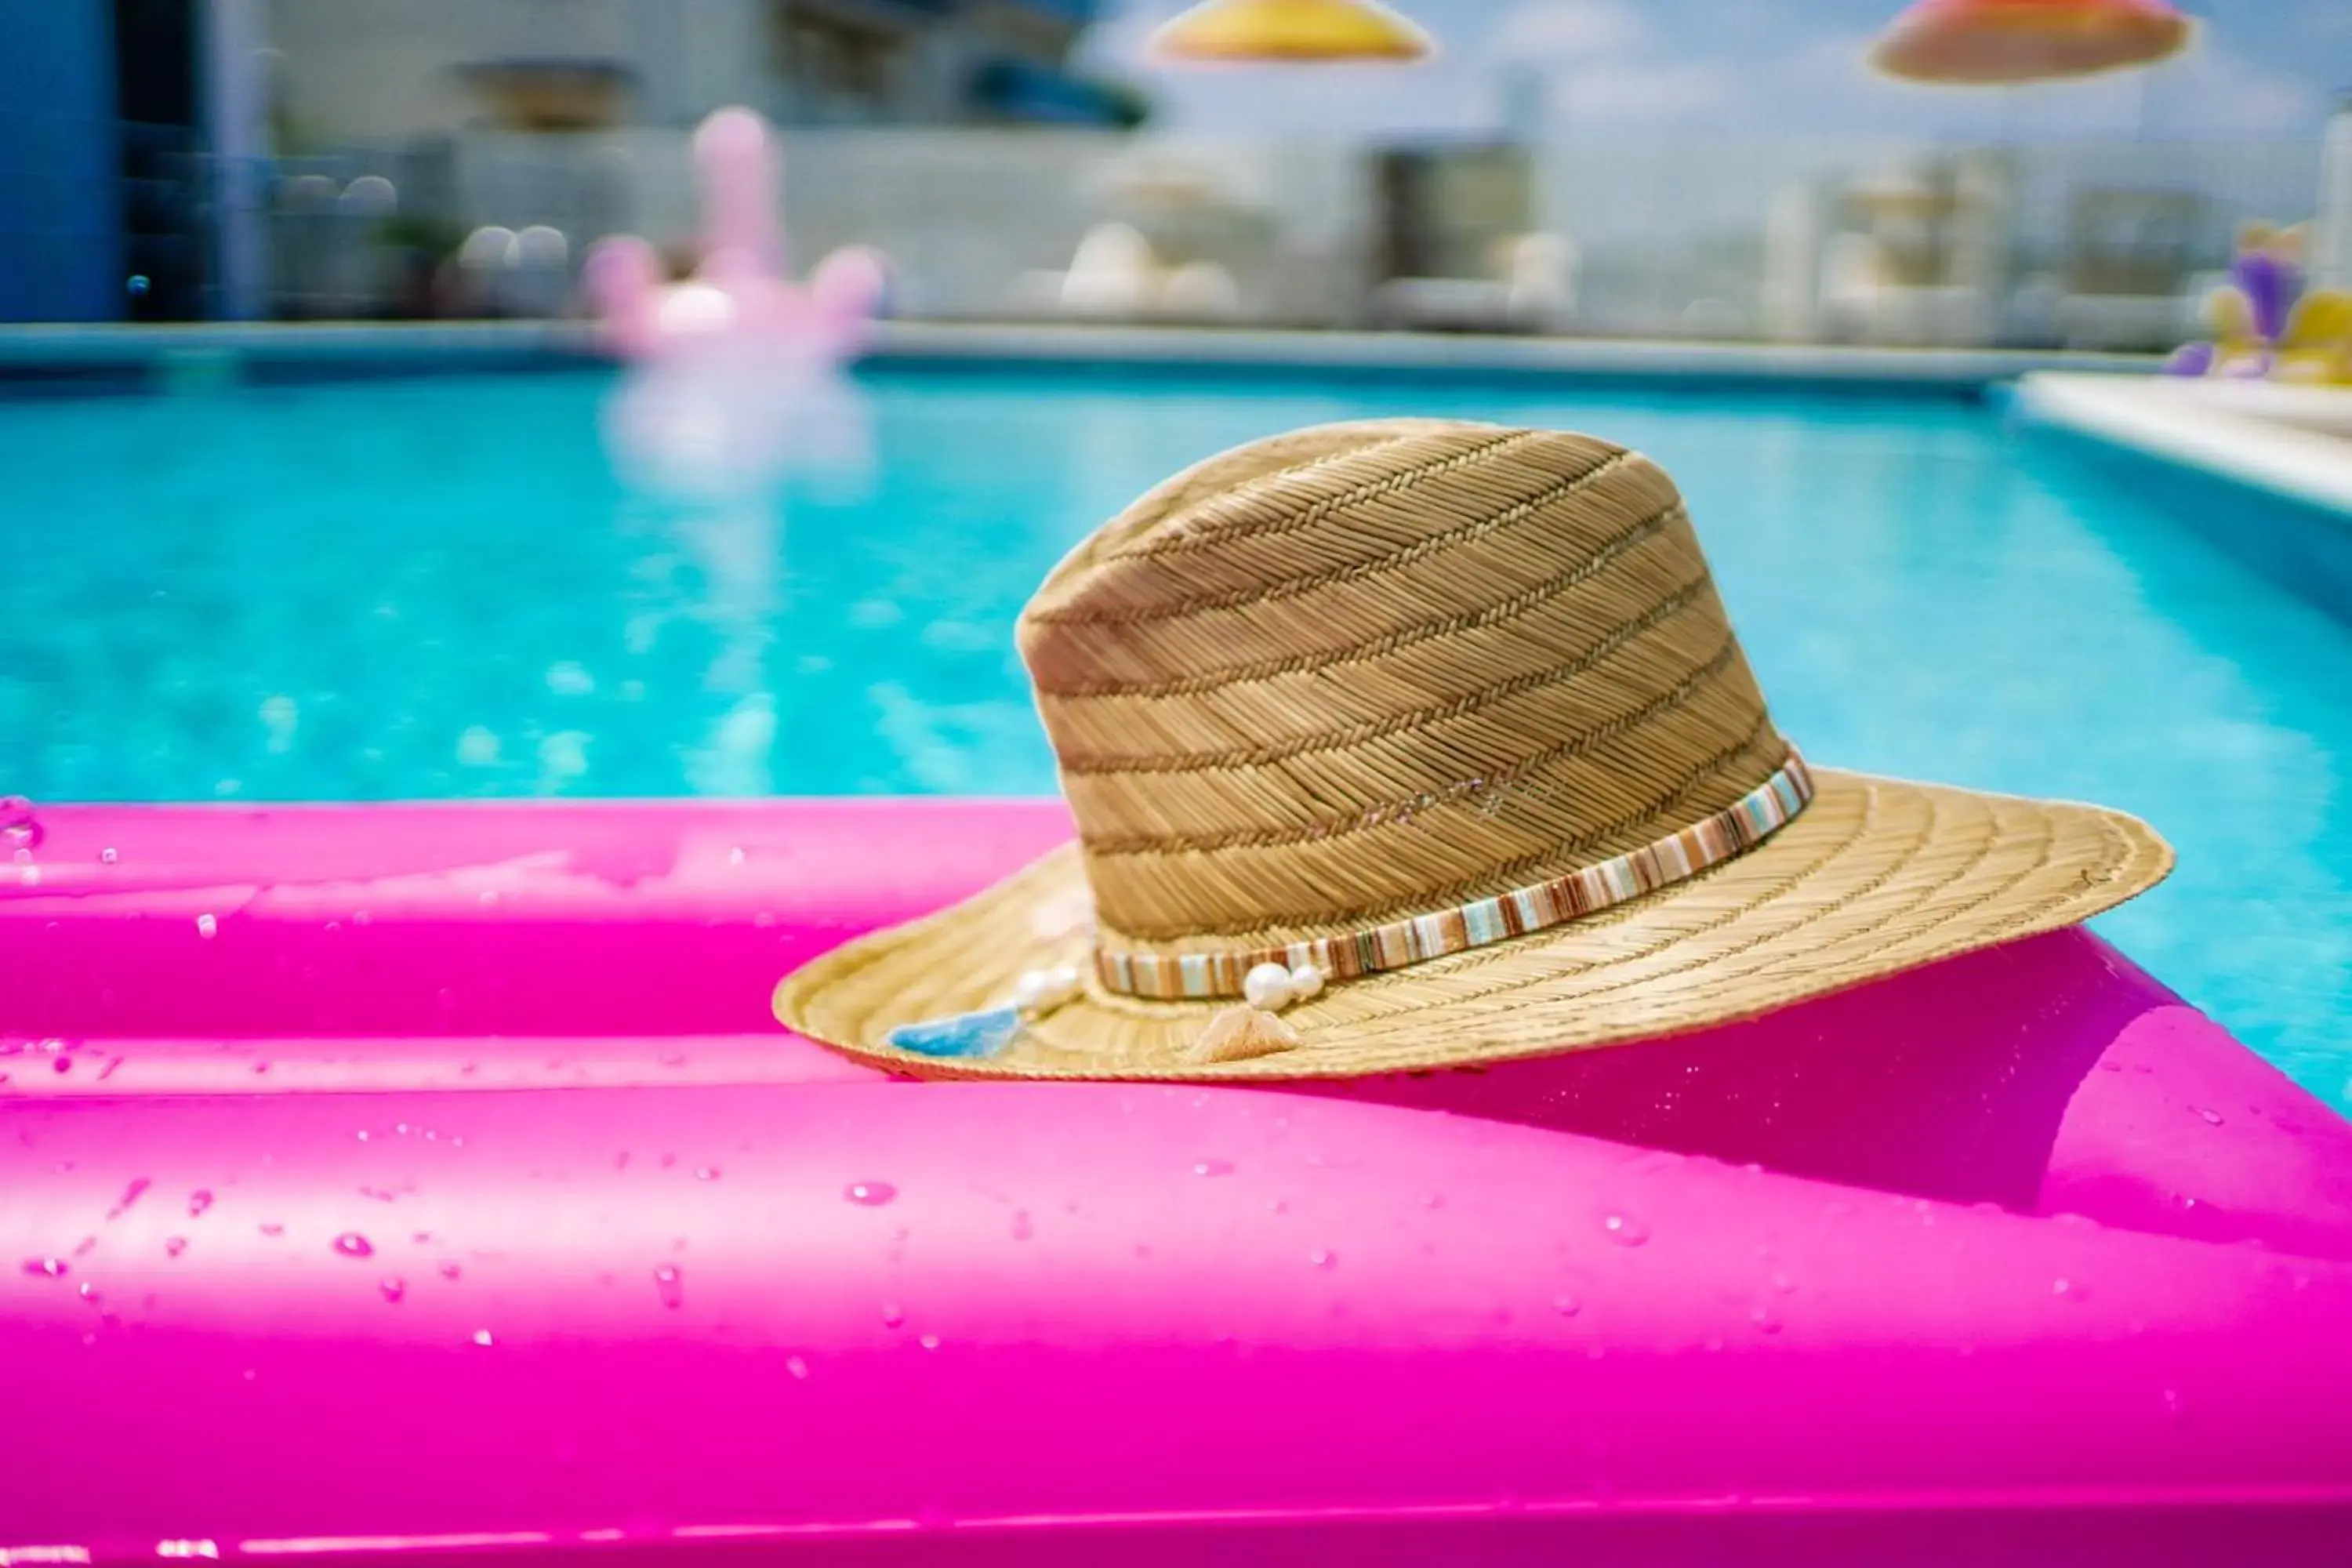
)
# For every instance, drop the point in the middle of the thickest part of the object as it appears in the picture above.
(68, 354)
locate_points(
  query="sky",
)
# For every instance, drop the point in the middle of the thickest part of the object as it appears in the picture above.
(2260, 68)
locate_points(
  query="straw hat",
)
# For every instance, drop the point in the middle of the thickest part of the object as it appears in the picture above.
(1411, 743)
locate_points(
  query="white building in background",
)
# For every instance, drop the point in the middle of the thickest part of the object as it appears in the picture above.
(345, 72)
(2331, 257)
(442, 103)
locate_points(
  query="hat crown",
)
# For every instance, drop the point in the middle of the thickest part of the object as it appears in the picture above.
(1380, 668)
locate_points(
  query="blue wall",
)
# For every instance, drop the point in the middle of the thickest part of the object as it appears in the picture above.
(60, 221)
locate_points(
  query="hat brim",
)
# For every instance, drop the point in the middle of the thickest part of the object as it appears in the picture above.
(1875, 877)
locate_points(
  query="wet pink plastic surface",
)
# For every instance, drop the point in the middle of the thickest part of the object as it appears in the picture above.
(432, 1181)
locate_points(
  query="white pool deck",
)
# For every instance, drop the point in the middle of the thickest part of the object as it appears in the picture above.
(2293, 441)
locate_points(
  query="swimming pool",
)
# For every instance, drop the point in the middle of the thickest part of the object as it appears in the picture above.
(444, 586)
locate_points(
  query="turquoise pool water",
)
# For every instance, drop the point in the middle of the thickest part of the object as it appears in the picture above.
(445, 587)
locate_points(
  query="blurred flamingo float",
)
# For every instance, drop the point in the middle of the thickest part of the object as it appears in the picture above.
(739, 297)
(737, 369)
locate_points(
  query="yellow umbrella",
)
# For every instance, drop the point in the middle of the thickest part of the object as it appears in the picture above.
(1291, 30)
(1997, 42)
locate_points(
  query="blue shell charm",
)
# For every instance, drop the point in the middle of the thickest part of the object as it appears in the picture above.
(981, 1034)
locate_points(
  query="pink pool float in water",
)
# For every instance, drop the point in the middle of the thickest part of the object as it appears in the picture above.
(740, 296)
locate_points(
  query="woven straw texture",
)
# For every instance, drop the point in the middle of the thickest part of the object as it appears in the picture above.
(1377, 670)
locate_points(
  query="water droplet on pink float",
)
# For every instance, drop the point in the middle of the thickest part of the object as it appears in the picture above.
(2212, 1118)
(20, 825)
(393, 1288)
(1323, 1257)
(669, 1287)
(174, 1245)
(46, 1268)
(131, 1195)
(351, 1243)
(1625, 1230)
(199, 1200)
(1213, 1168)
(797, 1367)
(891, 1316)
(1565, 1305)
(450, 1271)
(1023, 1226)
(482, 1337)
(872, 1195)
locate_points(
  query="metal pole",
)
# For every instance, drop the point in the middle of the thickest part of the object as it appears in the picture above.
(236, 115)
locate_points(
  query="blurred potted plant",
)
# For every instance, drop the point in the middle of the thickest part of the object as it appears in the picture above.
(417, 247)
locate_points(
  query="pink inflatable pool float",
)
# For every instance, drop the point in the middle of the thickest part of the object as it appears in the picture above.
(741, 301)
(430, 1180)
